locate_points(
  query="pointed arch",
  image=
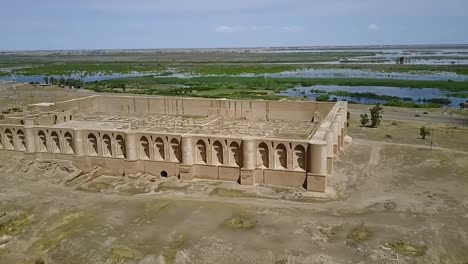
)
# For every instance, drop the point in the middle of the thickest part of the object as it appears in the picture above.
(159, 149)
(218, 153)
(9, 141)
(281, 157)
(55, 142)
(42, 141)
(21, 140)
(175, 150)
(92, 147)
(68, 143)
(263, 159)
(144, 152)
(200, 150)
(299, 157)
(120, 146)
(234, 154)
(107, 146)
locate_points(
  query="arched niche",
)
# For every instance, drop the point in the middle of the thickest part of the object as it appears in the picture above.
(200, 150)
(42, 141)
(9, 141)
(55, 142)
(218, 153)
(21, 140)
(107, 146)
(299, 158)
(120, 146)
(68, 143)
(234, 154)
(92, 147)
(263, 159)
(144, 148)
(175, 150)
(281, 157)
(159, 149)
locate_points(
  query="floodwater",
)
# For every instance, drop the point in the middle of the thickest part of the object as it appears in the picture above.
(308, 73)
(413, 93)
(351, 73)
(413, 55)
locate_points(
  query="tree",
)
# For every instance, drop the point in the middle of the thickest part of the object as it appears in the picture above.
(46, 80)
(424, 131)
(400, 60)
(376, 115)
(364, 119)
(52, 80)
(323, 98)
(348, 116)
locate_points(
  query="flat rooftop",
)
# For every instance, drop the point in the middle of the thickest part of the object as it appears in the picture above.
(211, 125)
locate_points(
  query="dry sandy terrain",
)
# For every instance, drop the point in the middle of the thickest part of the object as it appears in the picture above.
(395, 201)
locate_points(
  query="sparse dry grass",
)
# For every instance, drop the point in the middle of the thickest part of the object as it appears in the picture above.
(359, 234)
(238, 222)
(408, 249)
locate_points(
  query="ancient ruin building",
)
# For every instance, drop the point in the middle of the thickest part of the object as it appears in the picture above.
(250, 142)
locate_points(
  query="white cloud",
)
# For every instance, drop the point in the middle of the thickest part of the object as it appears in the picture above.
(230, 29)
(262, 28)
(293, 29)
(373, 27)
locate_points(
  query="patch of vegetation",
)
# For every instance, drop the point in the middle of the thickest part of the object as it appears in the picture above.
(408, 249)
(241, 69)
(359, 234)
(323, 98)
(151, 209)
(364, 119)
(39, 261)
(396, 103)
(122, 255)
(376, 115)
(64, 226)
(446, 259)
(85, 69)
(14, 223)
(424, 131)
(5, 251)
(260, 88)
(459, 95)
(238, 221)
(178, 243)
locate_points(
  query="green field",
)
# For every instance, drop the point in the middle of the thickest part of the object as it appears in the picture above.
(273, 84)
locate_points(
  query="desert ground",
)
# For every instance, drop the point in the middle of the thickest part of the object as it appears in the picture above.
(393, 199)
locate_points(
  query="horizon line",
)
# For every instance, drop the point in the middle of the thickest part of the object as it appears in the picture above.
(317, 47)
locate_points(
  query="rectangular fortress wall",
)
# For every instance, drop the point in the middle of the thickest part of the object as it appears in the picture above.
(250, 110)
(86, 104)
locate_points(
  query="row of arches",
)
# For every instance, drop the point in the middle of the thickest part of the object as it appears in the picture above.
(280, 155)
(218, 153)
(105, 145)
(159, 148)
(55, 142)
(12, 139)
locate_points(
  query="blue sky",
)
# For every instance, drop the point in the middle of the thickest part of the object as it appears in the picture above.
(100, 24)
